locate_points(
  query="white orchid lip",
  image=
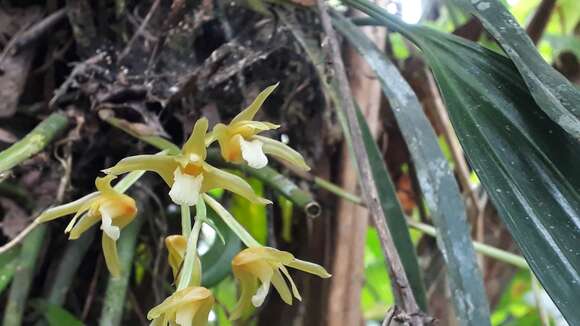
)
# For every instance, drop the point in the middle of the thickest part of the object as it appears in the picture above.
(186, 188)
(253, 154)
(107, 224)
(260, 296)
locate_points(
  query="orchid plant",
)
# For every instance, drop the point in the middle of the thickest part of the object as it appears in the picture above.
(189, 178)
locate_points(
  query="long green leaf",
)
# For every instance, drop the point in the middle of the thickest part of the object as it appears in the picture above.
(555, 95)
(393, 212)
(526, 162)
(389, 202)
(435, 178)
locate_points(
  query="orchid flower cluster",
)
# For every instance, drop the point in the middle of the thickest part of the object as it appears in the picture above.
(189, 178)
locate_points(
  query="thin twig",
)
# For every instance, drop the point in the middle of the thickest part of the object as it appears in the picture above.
(461, 167)
(139, 31)
(138, 310)
(36, 31)
(402, 290)
(92, 290)
(17, 239)
(539, 21)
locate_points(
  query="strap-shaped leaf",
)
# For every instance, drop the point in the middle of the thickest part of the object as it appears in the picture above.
(555, 95)
(395, 217)
(526, 162)
(435, 178)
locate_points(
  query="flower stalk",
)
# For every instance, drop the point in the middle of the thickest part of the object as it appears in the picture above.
(185, 221)
(187, 278)
(231, 222)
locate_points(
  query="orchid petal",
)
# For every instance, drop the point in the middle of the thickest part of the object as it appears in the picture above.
(111, 256)
(164, 165)
(309, 267)
(282, 152)
(202, 314)
(189, 295)
(248, 286)
(184, 315)
(196, 142)
(66, 209)
(250, 128)
(103, 185)
(84, 224)
(176, 245)
(216, 178)
(250, 111)
(281, 287)
(295, 291)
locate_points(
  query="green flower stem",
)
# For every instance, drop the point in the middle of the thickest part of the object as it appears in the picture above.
(231, 222)
(23, 278)
(191, 251)
(34, 142)
(501, 255)
(337, 190)
(185, 221)
(429, 230)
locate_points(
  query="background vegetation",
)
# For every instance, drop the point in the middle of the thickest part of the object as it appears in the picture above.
(457, 135)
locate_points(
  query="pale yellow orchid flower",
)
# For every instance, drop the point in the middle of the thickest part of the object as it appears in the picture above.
(187, 173)
(239, 140)
(113, 209)
(187, 307)
(264, 264)
(176, 248)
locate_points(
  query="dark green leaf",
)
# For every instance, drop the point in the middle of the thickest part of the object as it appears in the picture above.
(435, 179)
(555, 95)
(389, 201)
(526, 162)
(394, 213)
